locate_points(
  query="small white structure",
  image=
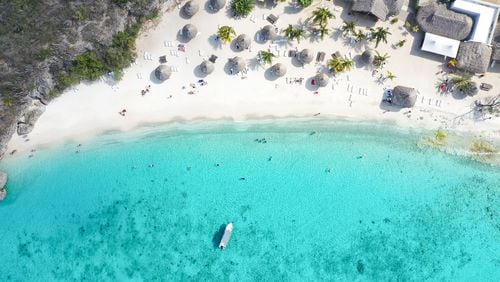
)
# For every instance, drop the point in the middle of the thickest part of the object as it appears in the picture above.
(440, 45)
(226, 236)
(485, 18)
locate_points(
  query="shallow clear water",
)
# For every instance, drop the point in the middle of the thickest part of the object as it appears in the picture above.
(308, 208)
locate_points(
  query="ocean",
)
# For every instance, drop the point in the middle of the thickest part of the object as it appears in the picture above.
(309, 200)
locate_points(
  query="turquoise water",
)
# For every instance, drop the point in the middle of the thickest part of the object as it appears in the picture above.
(309, 208)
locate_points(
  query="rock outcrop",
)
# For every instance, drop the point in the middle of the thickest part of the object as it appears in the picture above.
(40, 42)
(3, 182)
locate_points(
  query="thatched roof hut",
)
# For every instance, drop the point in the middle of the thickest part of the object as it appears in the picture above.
(474, 57)
(242, 42)
(437, 19)
(305, 56)
(381, 9)
(3, 179)
(189, 31)
(190, 8)
(268, 32)
(207, 67)
(404, 97)
(321, 79)
(237, 64)
(368, 56)
(162, 72)
(278, 70)
(216, 5)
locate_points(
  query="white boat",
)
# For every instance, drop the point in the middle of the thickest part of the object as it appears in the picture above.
(226, 236)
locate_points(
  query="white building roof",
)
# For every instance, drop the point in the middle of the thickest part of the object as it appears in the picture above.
(440, 45)
(485, 18)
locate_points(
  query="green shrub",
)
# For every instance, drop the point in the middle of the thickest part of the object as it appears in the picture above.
(153, 15)
(88, 66)
(43, 54)
(242, 8)
(305, 3)
(81, 14)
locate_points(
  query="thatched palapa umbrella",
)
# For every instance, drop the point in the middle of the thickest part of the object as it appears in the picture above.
(236, 64)
(305, 56)
(216, 5)
(404, 97)
(162, 72)
(190, 8)
(242, 42)
(189, 31)
(367, 57)
(278, 70)
(321, 79)
(207, 67)
(268, 32)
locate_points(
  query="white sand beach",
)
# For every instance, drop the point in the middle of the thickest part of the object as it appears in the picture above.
(90, 109)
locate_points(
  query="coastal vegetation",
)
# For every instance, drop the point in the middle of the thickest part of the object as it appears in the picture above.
(389, 75)
(242, 8)
(305, 3)
(340, 64)
(348, 28)
(379, 34)
(293, 33)
(462, 82)
(90, 65)
(379, 60)
(321, 16)
(226, 33)
(266, 57)
(439, 139)
(482, 147)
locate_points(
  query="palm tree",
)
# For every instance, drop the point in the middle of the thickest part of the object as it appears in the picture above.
(379, 34)
(266, 57)
(305, 3)
(348, 28)
(462, 82)
(379, 60)
(242, 8)
(359, 35)
(390, 75)
(294, 33)
(321, 16)
(340, 64)
(401, 43)
(323, 30)
(226, 33)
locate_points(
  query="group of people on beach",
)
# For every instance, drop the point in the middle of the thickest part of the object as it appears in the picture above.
(144, 91)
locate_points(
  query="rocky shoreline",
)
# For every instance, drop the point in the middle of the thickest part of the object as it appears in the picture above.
(27, 86)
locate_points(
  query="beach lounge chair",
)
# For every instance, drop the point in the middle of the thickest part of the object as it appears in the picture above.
(292, 53)
(213, 58)
(320, 57)
(272, 18)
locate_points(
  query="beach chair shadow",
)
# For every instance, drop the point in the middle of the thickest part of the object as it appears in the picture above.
(218, 236)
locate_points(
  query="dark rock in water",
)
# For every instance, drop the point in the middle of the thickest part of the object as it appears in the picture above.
(360, 267)
(218, 236)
